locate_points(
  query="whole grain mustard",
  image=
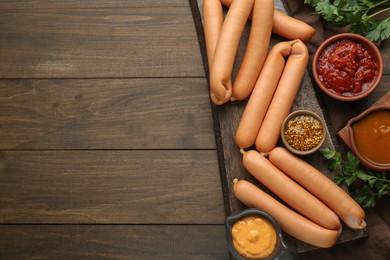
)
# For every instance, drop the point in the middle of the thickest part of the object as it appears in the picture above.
(303, 132)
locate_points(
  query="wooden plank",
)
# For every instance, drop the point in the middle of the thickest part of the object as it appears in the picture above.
(226, 119)
(99, 43)
(381, 91)
(106, 114)
(385, 51)
(110, 187)
(124, 242)
(56, 4)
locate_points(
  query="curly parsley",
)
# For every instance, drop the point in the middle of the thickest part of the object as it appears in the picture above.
(360, 15)
(374, 184)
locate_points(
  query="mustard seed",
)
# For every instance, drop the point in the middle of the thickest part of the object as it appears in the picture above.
(303, 132)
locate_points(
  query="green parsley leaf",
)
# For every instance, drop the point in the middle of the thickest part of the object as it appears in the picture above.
(359, 15)
(374, 184)
(379, 31)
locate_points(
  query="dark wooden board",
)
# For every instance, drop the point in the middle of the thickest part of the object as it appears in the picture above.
(55, 4)
(385, 46)
(106, 141)
(110, 187)
(146, 242)
(98, 42)
(145, 113)
(226, 119)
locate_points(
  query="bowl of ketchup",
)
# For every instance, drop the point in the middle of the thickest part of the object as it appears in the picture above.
(347, 67)
(369, 135)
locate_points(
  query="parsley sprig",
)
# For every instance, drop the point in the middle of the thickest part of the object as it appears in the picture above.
(360, 15)
(372, 184)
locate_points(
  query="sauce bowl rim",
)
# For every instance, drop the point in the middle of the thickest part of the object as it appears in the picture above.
(303, 112)
(360, 39)
(280, 248)
(363, 160)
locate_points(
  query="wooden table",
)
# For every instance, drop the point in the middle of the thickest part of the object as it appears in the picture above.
(107, 143)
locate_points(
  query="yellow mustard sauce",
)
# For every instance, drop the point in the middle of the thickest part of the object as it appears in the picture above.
(254, 237)
(372, 136)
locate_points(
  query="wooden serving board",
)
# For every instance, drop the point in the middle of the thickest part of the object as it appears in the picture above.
(343, 134)
(226, 118)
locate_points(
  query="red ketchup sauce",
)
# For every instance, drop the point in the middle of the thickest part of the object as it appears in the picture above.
(346, 68)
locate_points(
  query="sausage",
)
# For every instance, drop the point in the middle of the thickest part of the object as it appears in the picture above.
(256, 50)
(287, 26)
(291, 28)
(288, 190)
(226, 49)
(283, 98)
(212, 24)
(291, 222)
(321, 186)
(254, 112)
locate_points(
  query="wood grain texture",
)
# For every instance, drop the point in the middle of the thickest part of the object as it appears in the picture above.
(228, 117)
(136, 187)
(99, 43)
(105, 114)
(56, 4)
(385, 51)
(105, 119)
(106, 137)
(113, 242)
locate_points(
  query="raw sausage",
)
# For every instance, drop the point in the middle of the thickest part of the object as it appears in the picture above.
(261, 96)
(321, 186)
(287, 26)
(226, 49)
(291, 28)
(288, 190)
(283, 98)
(212, 24)
(291, 222)
(256, 50)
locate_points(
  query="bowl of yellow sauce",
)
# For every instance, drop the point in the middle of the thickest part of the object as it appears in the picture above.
(255, 234)
(369, 135)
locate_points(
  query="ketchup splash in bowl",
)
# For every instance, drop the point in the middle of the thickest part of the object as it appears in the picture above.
(347, 67)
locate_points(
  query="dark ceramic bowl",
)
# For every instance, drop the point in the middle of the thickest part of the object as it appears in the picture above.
(350, 125)
(280, 252)
(302, 113)
(368, 45)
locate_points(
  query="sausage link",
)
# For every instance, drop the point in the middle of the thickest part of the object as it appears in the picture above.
(287, 26)
(291, 28)
(288, 190)
(226, 49)
(212, 13)
(283, 98)
(261, 96)
(291, 222)
(321, 186)
(256, 50)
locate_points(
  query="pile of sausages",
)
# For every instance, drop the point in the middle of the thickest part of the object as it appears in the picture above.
(317, 201)
(270, 79)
